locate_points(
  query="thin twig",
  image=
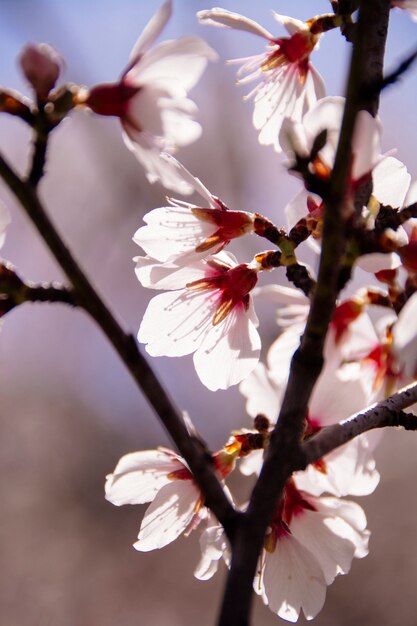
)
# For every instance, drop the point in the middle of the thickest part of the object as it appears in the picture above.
(47, 292)
(190, 447)
(389, 412)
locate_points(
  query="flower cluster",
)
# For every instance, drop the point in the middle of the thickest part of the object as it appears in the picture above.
(206, 305)
(207, 310)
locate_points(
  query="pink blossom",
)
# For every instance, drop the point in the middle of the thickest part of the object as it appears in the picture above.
(184, 232)
(208, 312)
(151, 98)
(289, 85)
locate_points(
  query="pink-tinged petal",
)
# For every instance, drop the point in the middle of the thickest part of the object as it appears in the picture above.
(229, 351)
(291, 24)
(293, 579)
(4, 222)
(168, 516)
(185, 317)
(377, 261)
(156, 275)
(366, 144)
(138, 476)
(151, 31)
(391, 182)
(316, 531)
(157, 168)
(174, 65)
(171, 232)
(224, 18)
(262, 394)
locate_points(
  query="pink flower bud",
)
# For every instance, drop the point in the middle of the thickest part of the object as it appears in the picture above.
(41, 66)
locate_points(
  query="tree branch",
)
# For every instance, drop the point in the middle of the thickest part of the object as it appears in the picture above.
(389, 412)
(284, 450)
(190, 447)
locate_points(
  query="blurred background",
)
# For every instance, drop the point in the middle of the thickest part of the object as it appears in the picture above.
(68, 409)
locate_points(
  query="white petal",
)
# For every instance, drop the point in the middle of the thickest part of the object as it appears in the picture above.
(391, 181)
(377, 261)
(354, 517)
(326, 114)
(192, 180)
(297, 208)
(333, 553)
(334, 400)
(292, 580)
(229, 351)
(168, 516)
(366, 144)
(174, 65)
(280, 295)
(169, 119)
(138, 476)
(223, 17)
(155, 275)
(290, 23)
(411, 196)
(214, 546)
(350, 470)
(157, 168)
(185, 317)
(151, 31)
(262, 394)
(171, 232)
(252, 464)
(281, 352)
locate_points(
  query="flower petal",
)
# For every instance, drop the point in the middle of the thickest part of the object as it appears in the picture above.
(138, 476)
(228, 19)
(151, 31)
(168, 516)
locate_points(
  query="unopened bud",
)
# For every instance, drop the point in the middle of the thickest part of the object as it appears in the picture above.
(41, 66)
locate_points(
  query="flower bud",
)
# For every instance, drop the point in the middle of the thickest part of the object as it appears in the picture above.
(41, 66)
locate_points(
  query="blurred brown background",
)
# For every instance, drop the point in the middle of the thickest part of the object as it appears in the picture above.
(68, 409)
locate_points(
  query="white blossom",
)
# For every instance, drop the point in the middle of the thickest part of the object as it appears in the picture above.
(184, 232)
(289, 85)
(151, 98)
